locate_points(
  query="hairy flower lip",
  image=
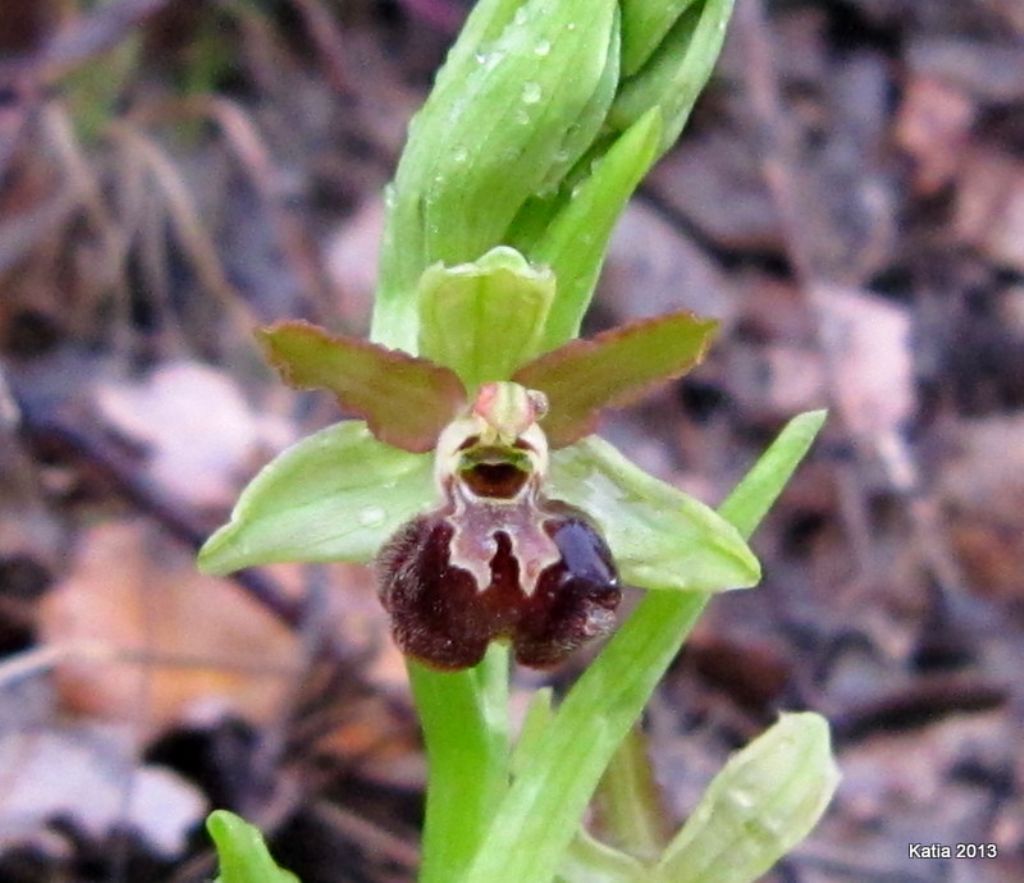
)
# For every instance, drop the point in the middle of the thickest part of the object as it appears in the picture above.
(538, 574)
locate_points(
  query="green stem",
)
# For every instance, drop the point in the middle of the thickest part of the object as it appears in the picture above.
(465, 729)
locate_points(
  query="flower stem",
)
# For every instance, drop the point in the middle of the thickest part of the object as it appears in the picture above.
(465, 729)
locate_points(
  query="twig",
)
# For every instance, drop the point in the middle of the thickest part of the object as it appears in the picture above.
(372, 837)
(327, 38)
(101, 31)
(244, 140)
(439, 14)
(919, 704)
(187, 222)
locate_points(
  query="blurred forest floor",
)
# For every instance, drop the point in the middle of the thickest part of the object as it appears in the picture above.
(848, 199)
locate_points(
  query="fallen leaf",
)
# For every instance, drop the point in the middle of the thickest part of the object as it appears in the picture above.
(933, 127)
(138, 594)
(990, 207)
(198, 429)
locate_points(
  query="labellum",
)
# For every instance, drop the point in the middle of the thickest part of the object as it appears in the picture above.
(497, 560)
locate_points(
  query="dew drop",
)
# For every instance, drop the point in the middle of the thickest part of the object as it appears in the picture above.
(460, 155)
(522, 117)
(742, 799)
(371, 516)
(481, 58)
(542, 48)
(571, 26)
(531, 93)
(520, 16)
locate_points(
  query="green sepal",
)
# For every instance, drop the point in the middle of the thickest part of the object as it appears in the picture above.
(765, 801)
(644, 25)
(675, 74)
(488, 139)
(242, 852)
(661, 538)
(575, 240)
(336, 495)
(406, 401)
(612, 370)
(483, 320)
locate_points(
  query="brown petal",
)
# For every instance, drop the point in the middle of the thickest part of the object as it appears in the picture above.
(613, 369)
(405, 400)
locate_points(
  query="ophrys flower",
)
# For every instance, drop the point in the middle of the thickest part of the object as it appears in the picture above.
(499, 515)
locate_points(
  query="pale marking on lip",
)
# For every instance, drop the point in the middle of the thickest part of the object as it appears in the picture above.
(475, 523)
(476, 520)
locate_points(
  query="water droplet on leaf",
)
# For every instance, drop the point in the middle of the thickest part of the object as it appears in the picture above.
(372, 516)
(542, 48)
(531, 93)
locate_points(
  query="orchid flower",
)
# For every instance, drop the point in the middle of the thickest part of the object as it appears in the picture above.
(471, 476)
(473, 479)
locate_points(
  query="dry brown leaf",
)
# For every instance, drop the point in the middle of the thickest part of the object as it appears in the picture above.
(134, 591)
(990, 207)
(982, 487)
(868, 339)
(198, 429)
(933, 127)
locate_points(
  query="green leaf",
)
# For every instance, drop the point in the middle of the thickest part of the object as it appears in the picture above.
(574, 244)
(547, 800)
(644, 25)
(613, 369)
(242, 852)
(484, 319)
(766, 800)
(406, 401)
(753, 496)
(677, 72)
(487, 139)
(661, 538)
(334, 496)
(539, 713)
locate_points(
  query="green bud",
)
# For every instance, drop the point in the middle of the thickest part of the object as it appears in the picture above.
(521, 98)
(484, 319)
(242, 853)
(644, 25)
(766, 800)
(676, 71)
